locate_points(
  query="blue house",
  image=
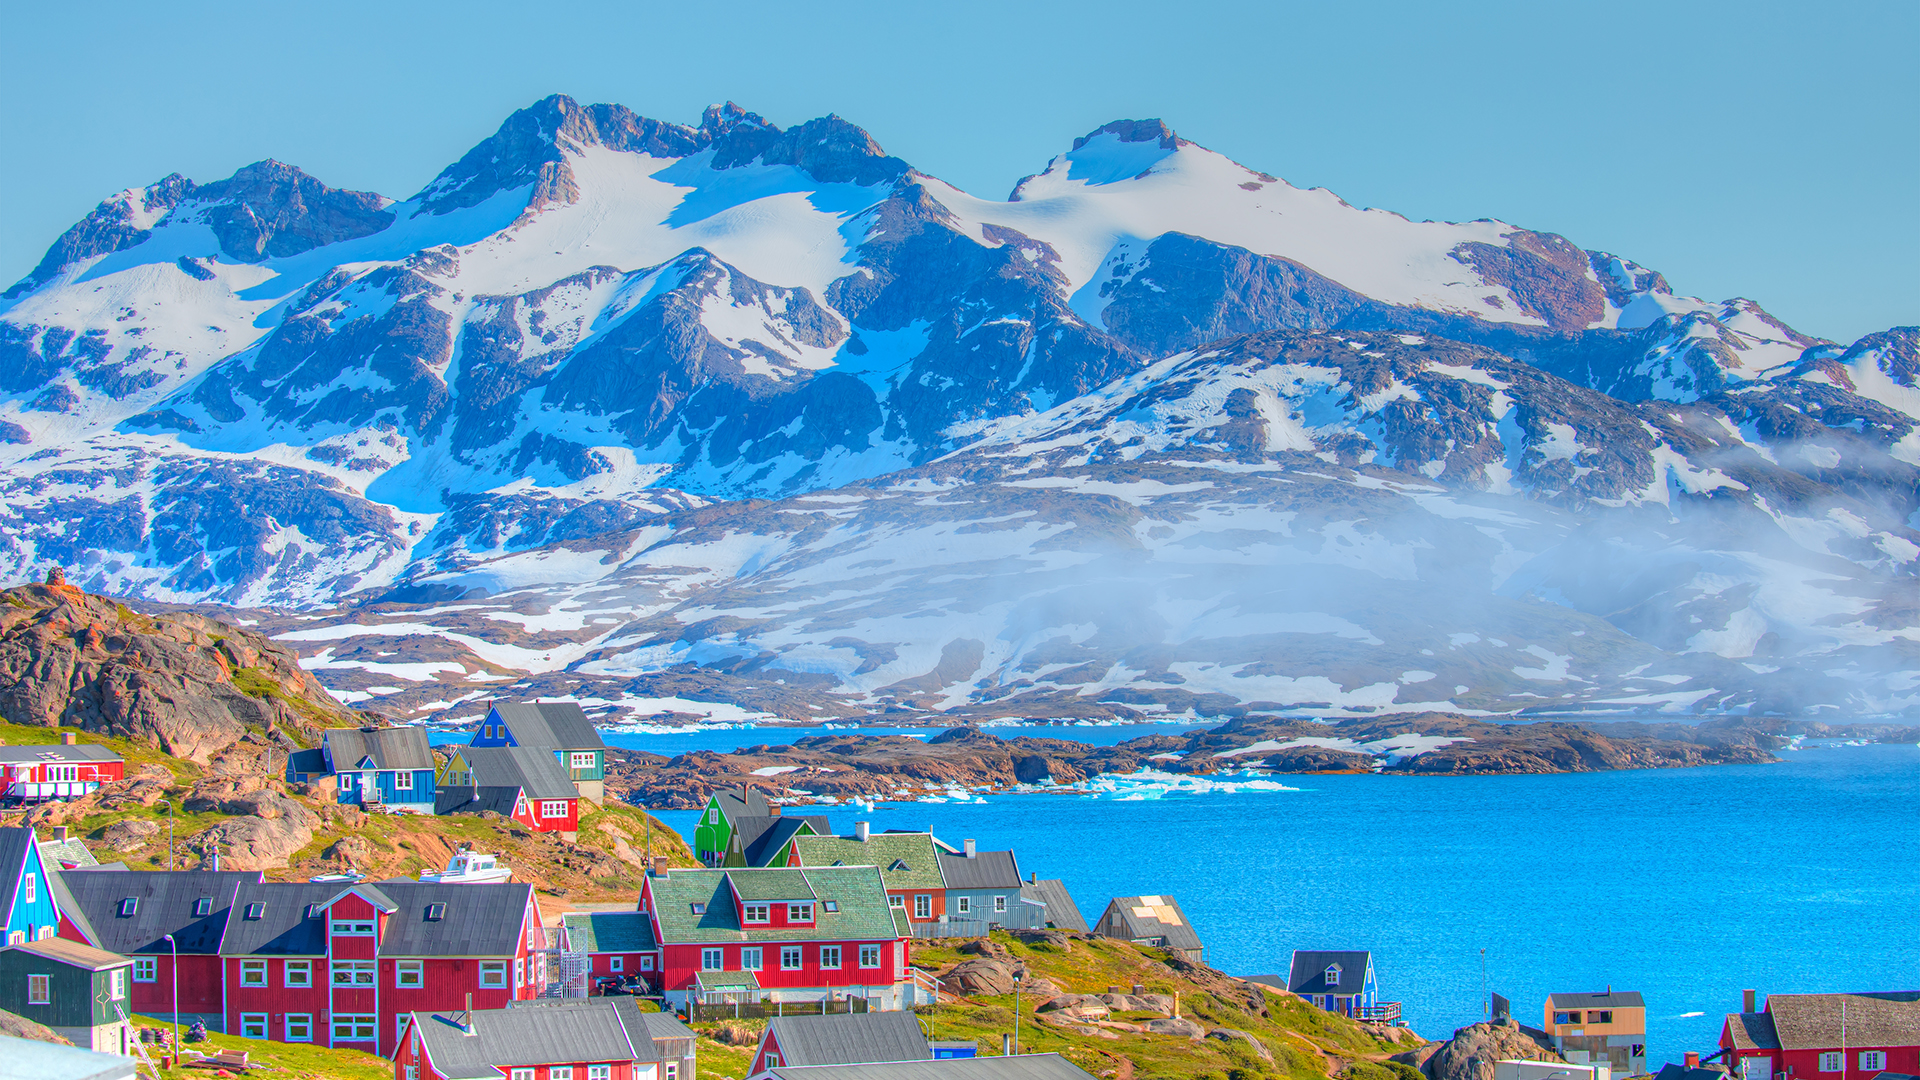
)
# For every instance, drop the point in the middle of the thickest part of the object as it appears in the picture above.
(374, 766)
(558, 727)
(1341, 982)
(25, 893)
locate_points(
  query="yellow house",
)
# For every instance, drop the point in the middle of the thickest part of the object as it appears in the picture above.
(1600, 1029)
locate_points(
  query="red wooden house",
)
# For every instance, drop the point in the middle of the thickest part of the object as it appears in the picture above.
(619, 944)
(131, 912)
(523, 783)
(1824, 1036)
(346, 967)
(778, 935)
(574, 1039)
(66, 770)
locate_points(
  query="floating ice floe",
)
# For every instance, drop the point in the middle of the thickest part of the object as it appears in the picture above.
(1155, 784)
(776, 770)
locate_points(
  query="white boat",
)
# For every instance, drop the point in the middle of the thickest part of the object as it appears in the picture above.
(470, 868)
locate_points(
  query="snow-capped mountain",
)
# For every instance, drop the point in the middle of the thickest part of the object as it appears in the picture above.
(601, 333)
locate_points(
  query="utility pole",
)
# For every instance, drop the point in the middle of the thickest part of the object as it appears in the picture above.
(1486, 1003)
(169, 803)
(176, 998)
(1016, 1011)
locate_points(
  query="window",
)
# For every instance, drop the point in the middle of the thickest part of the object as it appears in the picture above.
(129, 906)
(559, 1072)
(1832, 1061)
(407, 975)
(893, 900)
(553, 808)
(1566, 1018)
(580, 759)
(352, 973)
(869, 956)
(646, 963)
(1604, 1016)
(616, 964)
(299, 973)
(759, 912)
(750, 959)
(27, 886)
(923, 905)
(436, 912)
(351, 927)
(710, 959)
(1874, 1060)
(253, 973)
(519, 972)
(599, 1072)
(299, 1027)
(400, 1029)
(145, 969)
(40, 991)
(493, 973)
(117, 985)
(16, 937)
(999, 903)
(349, 1027)
(713, 816)
(203, 907)
(790, 958)
(673, 1071)
(962, 904)
(521, 1074)
(45, 932)
(256, 911)
(771, 1061)
(799, 912)
(830, 957)
(698, 909)
(830, 905)
(253, 1025)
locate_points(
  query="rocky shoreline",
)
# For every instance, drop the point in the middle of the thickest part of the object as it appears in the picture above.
(847, 767)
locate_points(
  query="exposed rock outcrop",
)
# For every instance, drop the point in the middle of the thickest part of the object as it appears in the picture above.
(1470, 1054)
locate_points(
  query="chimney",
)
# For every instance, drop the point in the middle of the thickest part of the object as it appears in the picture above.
(466, 1020)
(862, 830)
(968, 844)
(68, 738)
(60, 837)
(1006, 1044)
(1746, 1000)
(1033, 878)
(773, 809)
(1693, 1060)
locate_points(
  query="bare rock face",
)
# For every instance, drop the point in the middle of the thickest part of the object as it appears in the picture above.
(1470, 1054)
(1233, 1035)
(20, 1027)
(251, 843)
(355, 851)
(129, 835)
(981, 975)
(171, 681)
(1175, 1025)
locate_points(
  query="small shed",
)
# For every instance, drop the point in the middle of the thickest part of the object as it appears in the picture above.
(77, 990)
(1151, 920)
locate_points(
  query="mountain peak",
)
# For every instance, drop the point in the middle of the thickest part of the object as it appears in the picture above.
(1134, 131)
(270, 209)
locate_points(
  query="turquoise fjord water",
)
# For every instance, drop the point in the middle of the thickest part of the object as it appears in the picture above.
(1686, 885)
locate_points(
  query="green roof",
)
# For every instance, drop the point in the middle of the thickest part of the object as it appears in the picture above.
(856, 891)
(906, 860)
(727, 980)
(773, 884)
(609, 932)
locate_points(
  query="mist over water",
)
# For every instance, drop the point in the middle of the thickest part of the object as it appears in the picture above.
(1687, 885)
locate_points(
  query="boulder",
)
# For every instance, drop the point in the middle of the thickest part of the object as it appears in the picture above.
(1470, 1054)
(20, 1027)
(1039, 986)
(129, 834)
(1235, 1035)
(355, 851)
(252, 843)
(212, 792)
(1175, 1025)
(1076, 1006)
(1153, 1003)
(981, 975)
(1050, 938)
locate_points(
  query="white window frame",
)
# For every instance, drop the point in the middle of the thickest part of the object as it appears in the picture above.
(253, 973)
(999, 904)
(646, 962)
(354, 973)
(29, 887)
(580, 759)
(519, 972)
(353, 928)
(751, 958)
(39, 989)
(756, 912)
(552, 809)
(253, 1025)
(672, 1072)
(117, 985)
(923, 905)
(616, 964)
(869, 956)
(1833, 1061)
(493, 974)
(520, 1074)
(298, 1027)
(400, 1029)
(794, 953)
(713, 959)
(352, 1024)
(146, 969)
(800, 913)
(599, 1072)
(404, 968)
(403, 780)
(830, 957)
(896, 900)
(1873, 1060)
(559, 1072)
(304, 971)
(962, 905)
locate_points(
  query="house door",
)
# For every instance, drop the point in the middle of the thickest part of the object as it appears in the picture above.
(1757, 1068)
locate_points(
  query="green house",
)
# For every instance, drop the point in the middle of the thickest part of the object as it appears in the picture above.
(739, 828)
(77, 990)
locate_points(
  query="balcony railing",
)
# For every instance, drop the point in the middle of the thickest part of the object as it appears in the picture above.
(1382, 1012)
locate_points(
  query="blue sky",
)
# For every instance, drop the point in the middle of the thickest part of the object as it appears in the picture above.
(1753, 149)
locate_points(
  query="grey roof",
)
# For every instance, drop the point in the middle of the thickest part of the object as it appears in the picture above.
(647, 1031)
(389, 747)
(1278, 982)
(51, 1061)
(1310, 971)
(1140, 917)
(1752, 1031)
(57, 752)
(57, 853)
(986, 870)
(1612, 999)
(762, 838)
(848, 1039)
(475, 800)
(1021, 1067)
(1813, 1021)
(73, 953)
(479, 920)
(1670, 1071)
(609, 932)
(309, 762)
(588, 1032)
(166, 903)
(736, 803)
(551, 725)
(531, 769)
(17, 845)
(1062, 912)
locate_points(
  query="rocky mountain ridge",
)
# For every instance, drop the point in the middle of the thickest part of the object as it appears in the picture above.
(602, 357)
